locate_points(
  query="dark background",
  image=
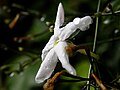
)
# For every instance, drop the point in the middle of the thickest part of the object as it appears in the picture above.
(20, 47)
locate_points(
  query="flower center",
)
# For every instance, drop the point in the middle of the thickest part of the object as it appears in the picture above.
(56, 42)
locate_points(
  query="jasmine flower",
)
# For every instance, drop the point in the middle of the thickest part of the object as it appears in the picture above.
(55, 48)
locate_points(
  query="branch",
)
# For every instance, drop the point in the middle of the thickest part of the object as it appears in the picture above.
(99, 82)
(49, 85)
(13, 23)
(107, 14)
(94, 44)
(99, 42)
(26, 11)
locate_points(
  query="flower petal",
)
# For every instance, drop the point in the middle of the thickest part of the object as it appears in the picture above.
(47, 67)
(76, 21)
(59, 20)
(69, 29)
(48, 46)
(85, 22)
(63, 57)
(60, 16)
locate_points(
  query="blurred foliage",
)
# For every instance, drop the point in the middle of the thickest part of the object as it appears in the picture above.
(20, 47)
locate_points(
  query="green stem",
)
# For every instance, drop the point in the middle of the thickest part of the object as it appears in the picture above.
(107, 14)
(99, 42)
(96, 28)
(64, 80)
(94, 43)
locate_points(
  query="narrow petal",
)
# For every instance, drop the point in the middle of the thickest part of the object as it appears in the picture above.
(47, 67)
(60, 16)
(63, 57)
(59, 20)
(48, 46)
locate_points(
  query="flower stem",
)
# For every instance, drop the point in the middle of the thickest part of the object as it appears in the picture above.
(94, 43)
(99, 82)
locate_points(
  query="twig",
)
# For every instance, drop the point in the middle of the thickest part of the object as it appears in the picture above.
(75, 77)
(13, 23)
(99, 42)
(94, 43)
(26, 11)
(99, 82)
(37, 13)
(96, 28)
(107, 14)
(29, 37)
(49, 85)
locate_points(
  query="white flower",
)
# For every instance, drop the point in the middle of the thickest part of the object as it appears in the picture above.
(55, 48)
(48, 47)
(50, 61)
(71, 27)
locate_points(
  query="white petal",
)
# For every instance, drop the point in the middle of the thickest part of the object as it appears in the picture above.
(76, 21)
(59, 20)
(69, 29)
(44, 53)
(60, 16)
(83, 28)
(47, 67)
(63, 57)
(48, 46)
(85, 22)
